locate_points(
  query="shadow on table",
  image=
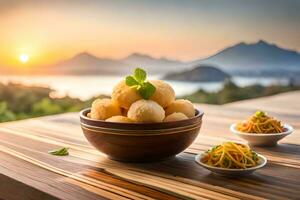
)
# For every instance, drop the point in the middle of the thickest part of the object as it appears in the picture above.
(289, 149)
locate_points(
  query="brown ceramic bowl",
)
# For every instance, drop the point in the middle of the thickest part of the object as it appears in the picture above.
(140, 142)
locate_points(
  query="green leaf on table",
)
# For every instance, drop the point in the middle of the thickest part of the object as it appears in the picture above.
(60, 152)
(140, 75)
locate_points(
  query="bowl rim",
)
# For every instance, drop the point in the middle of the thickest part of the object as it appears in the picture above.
(198, 158)
(143, 133)
(83, 115)
(289, 130)
(192, 126)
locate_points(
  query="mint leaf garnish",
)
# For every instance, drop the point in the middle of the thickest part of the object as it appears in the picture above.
(60, 152)
(147, 90)
(140, 75)
(130, 81)
(138, 80)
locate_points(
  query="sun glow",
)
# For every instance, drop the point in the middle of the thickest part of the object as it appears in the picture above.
(24, 58)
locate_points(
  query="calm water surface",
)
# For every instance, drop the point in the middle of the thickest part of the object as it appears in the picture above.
(85, 87)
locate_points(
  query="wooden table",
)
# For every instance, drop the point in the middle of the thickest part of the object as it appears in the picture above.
(29, 172)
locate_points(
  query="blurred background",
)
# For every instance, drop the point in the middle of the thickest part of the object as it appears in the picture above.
(58, 56)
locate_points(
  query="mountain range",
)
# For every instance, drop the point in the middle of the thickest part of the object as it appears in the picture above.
(260, 56)
(240, 58)
(87, 64)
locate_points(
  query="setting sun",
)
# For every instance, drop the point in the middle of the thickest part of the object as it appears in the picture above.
(24, 58)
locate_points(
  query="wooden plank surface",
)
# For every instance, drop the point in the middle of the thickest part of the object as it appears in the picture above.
(29, 172)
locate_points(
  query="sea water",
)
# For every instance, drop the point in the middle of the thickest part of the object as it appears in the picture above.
(85, 87)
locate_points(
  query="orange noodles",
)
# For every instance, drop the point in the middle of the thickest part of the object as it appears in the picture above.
(260, 122)
(231, 155)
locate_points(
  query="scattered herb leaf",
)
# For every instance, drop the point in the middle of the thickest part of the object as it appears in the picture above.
(138, 80)
(60, 152)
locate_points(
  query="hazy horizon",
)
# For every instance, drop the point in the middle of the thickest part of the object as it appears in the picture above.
(52, 31)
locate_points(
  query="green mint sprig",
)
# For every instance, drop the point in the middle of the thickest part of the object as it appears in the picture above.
(60, 152)
(138, 80)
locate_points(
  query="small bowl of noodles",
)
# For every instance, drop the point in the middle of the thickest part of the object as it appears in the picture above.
(261, 129)
(231, 159)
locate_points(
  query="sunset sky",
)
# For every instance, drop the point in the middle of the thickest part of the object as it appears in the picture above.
(50, 31)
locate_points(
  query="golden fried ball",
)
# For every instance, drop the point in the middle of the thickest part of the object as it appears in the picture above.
(164, 94)
(119, 118)
(176, 116)
(146, 111)
(104, 108)
(125, 95)
(183, 106)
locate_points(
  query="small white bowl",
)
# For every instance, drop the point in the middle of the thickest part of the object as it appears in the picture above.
(262, 139)
(231, 172)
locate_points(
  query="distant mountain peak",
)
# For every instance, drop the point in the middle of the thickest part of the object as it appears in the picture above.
(145, 57)
(84, 55)
(263, 43)
(260, 42)
(138, 55)
(200, 73)
(240, 44)
(259, 55)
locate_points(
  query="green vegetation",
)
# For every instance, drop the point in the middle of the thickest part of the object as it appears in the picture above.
(20, 102)
(231, 92)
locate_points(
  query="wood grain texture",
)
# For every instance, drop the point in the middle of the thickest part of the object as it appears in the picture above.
(27, 171)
